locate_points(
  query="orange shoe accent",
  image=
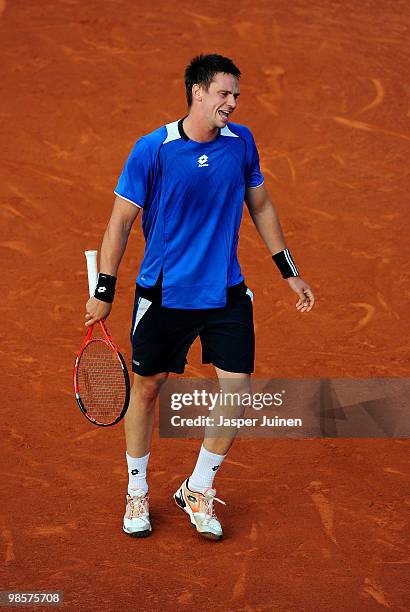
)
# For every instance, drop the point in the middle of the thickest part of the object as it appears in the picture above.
(200, 508)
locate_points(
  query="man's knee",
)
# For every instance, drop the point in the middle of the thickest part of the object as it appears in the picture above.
(148, 387)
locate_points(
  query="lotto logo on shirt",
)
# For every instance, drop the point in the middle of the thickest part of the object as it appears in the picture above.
(202, 161)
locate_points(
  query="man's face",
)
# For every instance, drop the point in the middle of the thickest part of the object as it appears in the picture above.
(219, 102)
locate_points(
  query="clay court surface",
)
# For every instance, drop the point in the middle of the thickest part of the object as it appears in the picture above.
(310, 524)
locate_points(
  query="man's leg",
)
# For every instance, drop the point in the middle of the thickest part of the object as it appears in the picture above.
(138, 425)
(139, 419)
(196, 495)
(217, 441)
(229, 382)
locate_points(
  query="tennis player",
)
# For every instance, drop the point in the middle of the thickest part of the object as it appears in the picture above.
(190, 179)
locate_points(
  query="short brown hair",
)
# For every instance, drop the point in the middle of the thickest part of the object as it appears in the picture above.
(202, 69)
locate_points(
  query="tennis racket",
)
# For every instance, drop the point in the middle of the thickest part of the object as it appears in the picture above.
(101, 381)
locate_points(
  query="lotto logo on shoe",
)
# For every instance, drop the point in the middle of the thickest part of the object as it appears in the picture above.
(202, 161)
(215, 468)
(134, 472)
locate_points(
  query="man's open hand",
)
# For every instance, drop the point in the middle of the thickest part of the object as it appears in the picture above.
(304, 291)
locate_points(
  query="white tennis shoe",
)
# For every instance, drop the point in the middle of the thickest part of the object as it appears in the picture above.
(136, 519)
(200, 509)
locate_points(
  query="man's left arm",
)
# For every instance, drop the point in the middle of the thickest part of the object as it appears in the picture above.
(267, 223)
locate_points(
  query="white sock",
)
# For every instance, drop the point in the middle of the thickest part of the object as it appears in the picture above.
(205, 470)
(137, 472)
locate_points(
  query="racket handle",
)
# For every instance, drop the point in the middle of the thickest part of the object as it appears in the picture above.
(92, 270)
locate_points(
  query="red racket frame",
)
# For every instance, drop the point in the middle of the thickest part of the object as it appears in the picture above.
(107, 340)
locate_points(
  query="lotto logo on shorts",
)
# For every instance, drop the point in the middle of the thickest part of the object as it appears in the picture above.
(202, 161)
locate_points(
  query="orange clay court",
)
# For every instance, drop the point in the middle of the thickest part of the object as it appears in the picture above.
(319, 524)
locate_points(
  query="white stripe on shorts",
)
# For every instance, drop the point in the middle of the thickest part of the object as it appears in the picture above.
(143, 305)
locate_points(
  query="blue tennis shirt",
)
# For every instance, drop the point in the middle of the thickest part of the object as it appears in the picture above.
(192, 196)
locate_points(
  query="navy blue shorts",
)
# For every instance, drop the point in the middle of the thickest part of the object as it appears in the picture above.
(161, 337)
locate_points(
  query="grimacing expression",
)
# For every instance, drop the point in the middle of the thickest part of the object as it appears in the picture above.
(218, 103)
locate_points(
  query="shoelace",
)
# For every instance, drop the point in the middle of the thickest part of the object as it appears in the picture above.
(138, 506)
(209, 507)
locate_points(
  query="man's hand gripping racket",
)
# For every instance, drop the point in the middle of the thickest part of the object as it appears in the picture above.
(101, 381)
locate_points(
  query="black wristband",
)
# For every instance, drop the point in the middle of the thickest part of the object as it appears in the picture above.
(285, 263)
(105, 289)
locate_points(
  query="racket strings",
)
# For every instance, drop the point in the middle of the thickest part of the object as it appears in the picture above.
(101, 382)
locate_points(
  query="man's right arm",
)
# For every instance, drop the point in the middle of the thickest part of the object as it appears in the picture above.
(113, 246)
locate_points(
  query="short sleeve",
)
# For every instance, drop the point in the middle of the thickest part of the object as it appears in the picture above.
(254, 176)
(133, 184)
